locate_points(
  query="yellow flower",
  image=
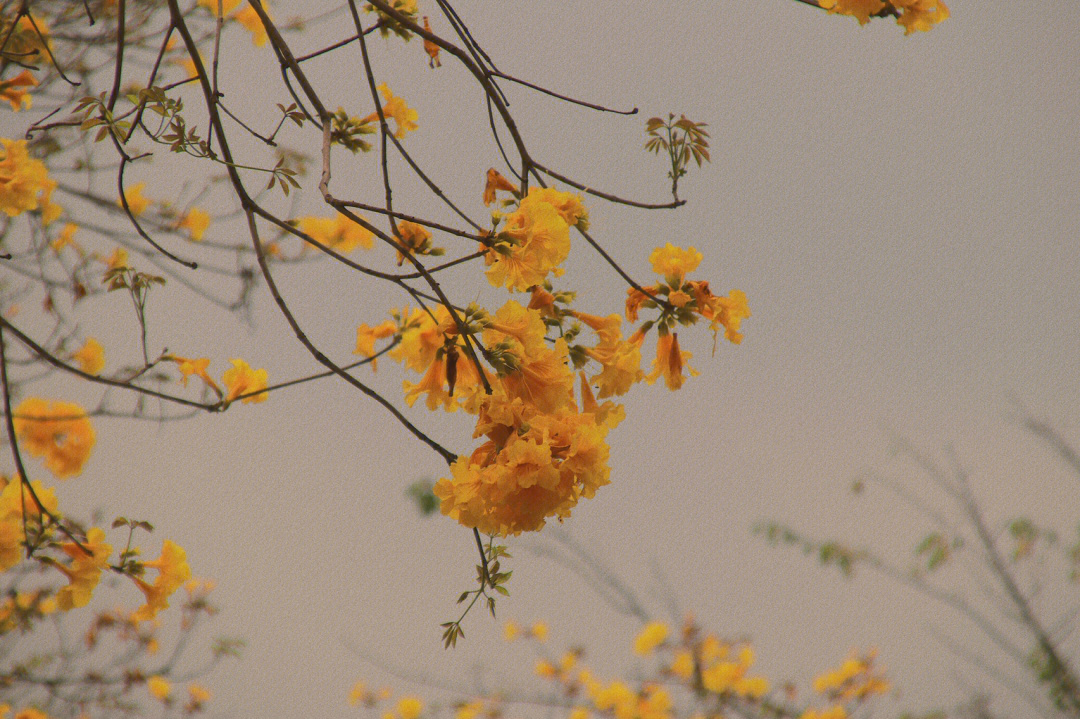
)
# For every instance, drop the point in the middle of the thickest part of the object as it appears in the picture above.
(195, 222)
(674, 262)
(250, 19)
(567, 204)
(173, 571)
(496, 182)
(358, 694)
(24, 181)
(58, 431)
(339, 234)
(243, 380)
(545, 669)
(136, 202)
(920, 15)
(366, 337)
(861, 10)
(198, 694)
(621, 362)
(538, 240)
(159, 686)
(409, 707)
(670, 361)
(431, 48)
(682, 665)
(511, 630)
(65, 238)
(118, 258)
(394, 108)
(13, 90)
(416, 239)
(539, 631)
(91, 357)
(195, 367)
(84, 571)
(652, 635)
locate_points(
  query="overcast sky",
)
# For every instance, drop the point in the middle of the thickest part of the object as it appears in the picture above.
(902, 214)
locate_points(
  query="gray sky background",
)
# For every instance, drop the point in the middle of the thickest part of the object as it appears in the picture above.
(901, 213)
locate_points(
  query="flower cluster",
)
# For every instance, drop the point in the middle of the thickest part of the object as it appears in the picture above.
(543, 444)
(680, 673)
(58, 431)
(912, 15)
(24, 182)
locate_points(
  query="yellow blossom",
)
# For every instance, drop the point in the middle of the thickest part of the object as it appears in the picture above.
(539, 630)
(415, 239)
(24, 181)
(14, 92)
(173, 570)
(674, 262)
(338, 233)
(539, 241)
(195, 222)
(670, 361)
(431, 48)
(358, 694)
(511, 630)
(91, 357)
(494, 183)
(366, 337)
(621, 363)
(247, 17)
(118, 258)
(651, 636)
(198, 694)
(159, 686)
(861, 10)
(58, 431)
(394, 108)
(243, 380)
(682, 665)
(195, 367)
(84, 571)
(136, 202)
(409, 707)
(920, 15)
(65, 238)
(545, 669)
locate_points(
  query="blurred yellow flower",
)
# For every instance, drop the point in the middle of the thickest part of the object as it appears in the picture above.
(14, 92)
(195, 222)
(58, 431)
(651, 636)
(250, 19)
(84, 571)
(159, 686)
(91, 357)
(173, 570)
(409, 707)
(24, 181)
(136, 202)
